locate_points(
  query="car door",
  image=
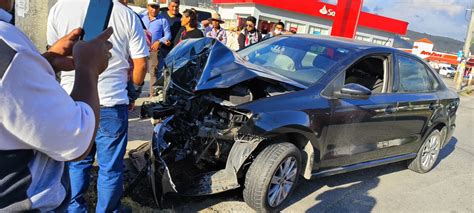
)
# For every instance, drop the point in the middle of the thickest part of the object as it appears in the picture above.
(360, 129)
(415, 91)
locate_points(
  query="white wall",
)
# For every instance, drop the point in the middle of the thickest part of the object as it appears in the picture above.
(419, 47)
(231, 11)
(288, 16)
(387, 37)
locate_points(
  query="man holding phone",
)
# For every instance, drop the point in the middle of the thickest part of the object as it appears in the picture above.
(41, 126)
(111, 140)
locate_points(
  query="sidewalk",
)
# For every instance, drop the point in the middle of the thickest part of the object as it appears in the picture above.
(451, 83)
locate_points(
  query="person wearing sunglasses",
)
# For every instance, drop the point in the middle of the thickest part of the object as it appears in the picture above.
(250, 34)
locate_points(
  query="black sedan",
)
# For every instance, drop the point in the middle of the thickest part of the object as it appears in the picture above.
(289, 107)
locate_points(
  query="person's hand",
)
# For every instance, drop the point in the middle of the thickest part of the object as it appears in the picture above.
(168, 43)
(131, 106)
(155, 46)
(93, 55)
(59, 55)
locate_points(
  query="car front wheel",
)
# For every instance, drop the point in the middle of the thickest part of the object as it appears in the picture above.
(272, 177)
(428, 153)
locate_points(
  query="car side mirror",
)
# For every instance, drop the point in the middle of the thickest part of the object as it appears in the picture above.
(354, 91)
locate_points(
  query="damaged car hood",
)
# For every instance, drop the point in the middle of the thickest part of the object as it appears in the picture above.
(205, 63)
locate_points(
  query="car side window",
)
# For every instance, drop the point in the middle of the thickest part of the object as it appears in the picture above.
(413, 76)
(370, 73)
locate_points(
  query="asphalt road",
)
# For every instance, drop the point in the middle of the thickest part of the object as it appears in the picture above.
(449, 187)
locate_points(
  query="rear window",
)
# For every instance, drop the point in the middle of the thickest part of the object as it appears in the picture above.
(414, 76)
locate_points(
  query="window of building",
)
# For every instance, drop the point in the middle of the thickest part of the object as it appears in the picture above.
(380, 41)
(241, 20)
(299, 28)
(413, 76)
(318, 30)
(363, 38)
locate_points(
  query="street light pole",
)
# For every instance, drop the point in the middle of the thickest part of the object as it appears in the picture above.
(467, 46)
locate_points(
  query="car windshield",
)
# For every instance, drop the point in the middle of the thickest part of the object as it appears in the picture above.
(304, 60)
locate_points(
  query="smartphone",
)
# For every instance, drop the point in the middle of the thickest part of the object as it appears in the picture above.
(97, 18)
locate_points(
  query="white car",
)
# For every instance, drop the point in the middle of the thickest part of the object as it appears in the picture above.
(448, 72)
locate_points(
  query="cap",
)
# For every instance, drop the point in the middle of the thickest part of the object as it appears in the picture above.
(153, 2)
(216, 17)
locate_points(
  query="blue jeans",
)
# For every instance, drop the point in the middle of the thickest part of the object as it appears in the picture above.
(110, 145)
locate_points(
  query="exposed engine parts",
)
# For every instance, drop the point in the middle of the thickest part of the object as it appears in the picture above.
(201, 141)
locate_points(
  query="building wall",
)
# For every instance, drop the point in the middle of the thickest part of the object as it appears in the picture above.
(231, 12)
(376, 36)
(305, 23)
(289, 17)
(419, 47)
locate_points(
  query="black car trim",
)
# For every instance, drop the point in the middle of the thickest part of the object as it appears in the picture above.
(363, 165)
(7, 53)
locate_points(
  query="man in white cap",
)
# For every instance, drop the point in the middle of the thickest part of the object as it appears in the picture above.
(217, 31)
(160, 31)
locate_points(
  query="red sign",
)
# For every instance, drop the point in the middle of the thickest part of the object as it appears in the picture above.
(431, 54)
(346, 18)
(327, 11)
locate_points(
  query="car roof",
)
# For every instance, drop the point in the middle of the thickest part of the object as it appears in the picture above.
(347, 43)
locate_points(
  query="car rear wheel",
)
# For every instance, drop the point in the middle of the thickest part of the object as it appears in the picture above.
(272, 177)
(428, 153)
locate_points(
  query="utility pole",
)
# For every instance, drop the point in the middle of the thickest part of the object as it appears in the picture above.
(31, 17)
(467, 46)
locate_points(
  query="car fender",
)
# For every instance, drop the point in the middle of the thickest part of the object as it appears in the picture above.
(440, 117)
(275, 124)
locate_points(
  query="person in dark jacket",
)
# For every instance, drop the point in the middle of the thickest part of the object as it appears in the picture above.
(250, 35)
(174, 19)
(189, 27)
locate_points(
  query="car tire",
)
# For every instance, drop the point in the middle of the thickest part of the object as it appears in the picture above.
(280, 162)
(428, 153)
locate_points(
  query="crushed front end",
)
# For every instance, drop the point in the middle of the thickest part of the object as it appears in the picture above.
(202, 141)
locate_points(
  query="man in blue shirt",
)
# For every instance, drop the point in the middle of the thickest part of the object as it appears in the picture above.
(160, 31)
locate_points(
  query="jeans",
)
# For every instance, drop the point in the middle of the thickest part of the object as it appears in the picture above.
(110, 144)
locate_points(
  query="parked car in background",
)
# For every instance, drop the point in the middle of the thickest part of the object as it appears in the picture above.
(447, 72)
(290, 107)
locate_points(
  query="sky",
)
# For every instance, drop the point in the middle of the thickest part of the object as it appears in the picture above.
(447, 18)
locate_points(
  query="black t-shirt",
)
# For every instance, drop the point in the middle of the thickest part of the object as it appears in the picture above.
(183, 35)
(175, 23)
(175, 26)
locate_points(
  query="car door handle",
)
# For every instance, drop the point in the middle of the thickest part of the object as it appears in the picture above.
(391, 109)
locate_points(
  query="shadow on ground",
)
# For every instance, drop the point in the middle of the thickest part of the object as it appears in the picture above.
(355, 197)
